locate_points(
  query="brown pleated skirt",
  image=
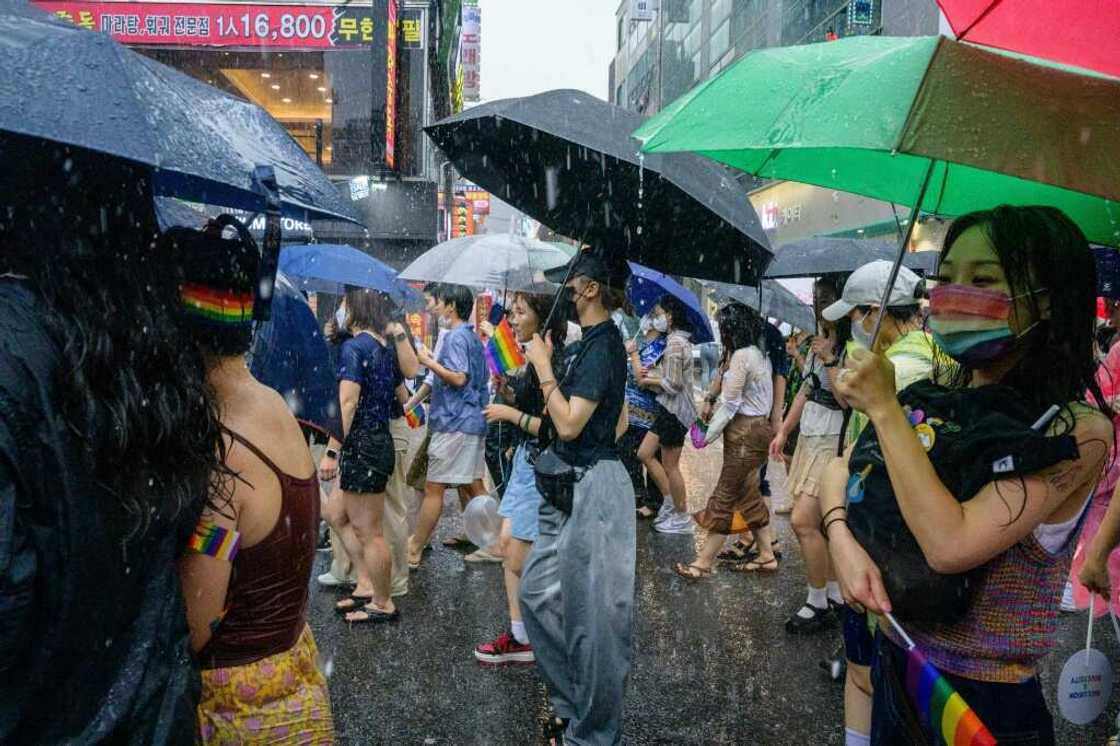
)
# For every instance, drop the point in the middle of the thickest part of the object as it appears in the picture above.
(736, 503)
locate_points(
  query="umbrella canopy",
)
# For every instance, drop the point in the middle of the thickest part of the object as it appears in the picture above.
(201, 144)
(822, 255)
(776, 302)
(290, 356)
(1088, 37)
(488, 260)
(566, 158)
(329, 268)
(955, 126)
(645, 288)
(1108, 271)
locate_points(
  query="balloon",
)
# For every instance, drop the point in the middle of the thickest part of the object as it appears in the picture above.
(481, 521)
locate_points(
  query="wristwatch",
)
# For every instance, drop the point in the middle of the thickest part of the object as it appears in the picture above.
(332, 454)
(401, 337)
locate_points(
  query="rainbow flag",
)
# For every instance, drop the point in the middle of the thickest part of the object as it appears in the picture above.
(415, 416)
(938, 704)
(215, 541)
(503, 353)
(221, 306)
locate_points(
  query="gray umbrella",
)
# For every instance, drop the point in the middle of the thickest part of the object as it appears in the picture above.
(566, 159)
(777, 302)
(83, 89)
(488, 260)
(822, 255)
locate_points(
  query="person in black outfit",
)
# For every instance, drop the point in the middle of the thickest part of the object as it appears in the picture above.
(109, 438)
(577, 588)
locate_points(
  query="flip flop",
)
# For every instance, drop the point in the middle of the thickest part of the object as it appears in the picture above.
(454, 542)
(770, 565)
(373, 615)
(685, 571)
(353, 603)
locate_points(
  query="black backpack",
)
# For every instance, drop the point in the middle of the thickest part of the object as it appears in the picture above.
(979, 435)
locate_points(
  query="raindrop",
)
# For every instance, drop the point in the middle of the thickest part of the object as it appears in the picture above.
(551, 177)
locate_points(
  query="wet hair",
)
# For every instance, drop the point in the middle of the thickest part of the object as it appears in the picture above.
(739, 326)
(832, 285)
(211, 260)
(368, 309)
(541, 305)
(459, 297)
(1040, 247)
(676, 308)
(130, 384)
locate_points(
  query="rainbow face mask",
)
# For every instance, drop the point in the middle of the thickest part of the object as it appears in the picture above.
(971, 324)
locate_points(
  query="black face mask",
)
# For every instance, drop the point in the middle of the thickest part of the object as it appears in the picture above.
(566, 305)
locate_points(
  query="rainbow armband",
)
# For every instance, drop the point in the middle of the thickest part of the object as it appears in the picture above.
(215, 541)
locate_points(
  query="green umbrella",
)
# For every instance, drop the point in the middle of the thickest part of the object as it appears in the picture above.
(922, 121)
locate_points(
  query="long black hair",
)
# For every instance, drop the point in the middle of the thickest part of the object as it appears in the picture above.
(676, 308)
(827, 290)
(131, 385)
(739, 326)
(1041, 248)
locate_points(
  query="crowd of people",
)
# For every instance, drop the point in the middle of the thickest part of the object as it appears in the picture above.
(158, 531)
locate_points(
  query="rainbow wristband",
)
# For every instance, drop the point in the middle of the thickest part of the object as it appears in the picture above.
(215, 541)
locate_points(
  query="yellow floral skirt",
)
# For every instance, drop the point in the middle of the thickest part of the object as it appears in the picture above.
(281, 699)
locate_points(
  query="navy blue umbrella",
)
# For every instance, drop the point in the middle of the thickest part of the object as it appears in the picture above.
(83, 89)
(646, 287)
(291, 356)
(328, 268)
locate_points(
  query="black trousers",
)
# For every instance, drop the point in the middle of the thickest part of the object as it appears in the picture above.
(645, 491)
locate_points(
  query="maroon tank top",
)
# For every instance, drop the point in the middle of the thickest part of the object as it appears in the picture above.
(266, 604)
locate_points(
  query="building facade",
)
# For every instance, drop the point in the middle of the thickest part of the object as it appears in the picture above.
(664, 51)
(354, 83)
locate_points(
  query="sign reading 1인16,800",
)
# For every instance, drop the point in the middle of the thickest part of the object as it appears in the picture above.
(220, 25)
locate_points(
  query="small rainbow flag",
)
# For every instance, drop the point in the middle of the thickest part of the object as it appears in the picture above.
(215, 541)
(503, 353)
(938, 704)
(415, 416)
(222, 306)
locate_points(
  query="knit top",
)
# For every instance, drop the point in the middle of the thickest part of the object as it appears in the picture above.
(1011, 623)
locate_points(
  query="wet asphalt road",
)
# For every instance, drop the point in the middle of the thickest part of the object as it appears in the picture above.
(712, 663)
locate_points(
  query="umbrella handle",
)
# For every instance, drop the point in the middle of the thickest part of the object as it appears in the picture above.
(902, 246)
(265, 184)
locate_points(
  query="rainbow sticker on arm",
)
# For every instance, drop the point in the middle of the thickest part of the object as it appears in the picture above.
(503, 353)
(214, 541)
(219, 306)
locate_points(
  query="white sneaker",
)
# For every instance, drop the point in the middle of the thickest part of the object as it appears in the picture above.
(328, 580)
(676, 523)
(666, 510)
(1067, 598)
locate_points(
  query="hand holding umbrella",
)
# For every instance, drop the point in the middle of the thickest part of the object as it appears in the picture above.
(867, 382)
(539, 354)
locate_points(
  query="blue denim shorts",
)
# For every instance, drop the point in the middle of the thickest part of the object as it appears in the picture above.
(521, 503)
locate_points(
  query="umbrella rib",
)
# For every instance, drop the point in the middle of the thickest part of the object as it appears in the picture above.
(991, 6)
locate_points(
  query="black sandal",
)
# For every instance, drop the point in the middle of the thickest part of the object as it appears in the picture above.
(353, 603)
(374, 615)
(737, 552)
(553, 730)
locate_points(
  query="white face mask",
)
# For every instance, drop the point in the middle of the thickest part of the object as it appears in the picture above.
(861, 336)
(340, 318)
(661, 324)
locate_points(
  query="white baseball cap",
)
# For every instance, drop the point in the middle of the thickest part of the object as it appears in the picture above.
(866, 285)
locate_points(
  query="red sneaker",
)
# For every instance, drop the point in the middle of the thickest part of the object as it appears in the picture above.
(503, 651)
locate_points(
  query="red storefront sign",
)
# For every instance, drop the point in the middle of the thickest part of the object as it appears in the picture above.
(224, 25)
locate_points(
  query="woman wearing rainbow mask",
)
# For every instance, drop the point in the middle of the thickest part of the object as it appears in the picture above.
(963, 502)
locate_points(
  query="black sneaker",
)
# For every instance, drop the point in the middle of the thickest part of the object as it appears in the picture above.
(802, 625)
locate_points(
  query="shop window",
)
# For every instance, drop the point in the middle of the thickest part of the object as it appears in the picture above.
(721, 40)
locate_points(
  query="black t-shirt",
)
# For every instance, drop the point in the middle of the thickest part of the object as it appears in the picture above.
(597, 373)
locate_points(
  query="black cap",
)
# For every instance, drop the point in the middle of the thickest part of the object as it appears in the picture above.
(608, 268)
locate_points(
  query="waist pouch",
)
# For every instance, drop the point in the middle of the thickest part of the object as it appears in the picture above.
(556, 479)
(973, 437)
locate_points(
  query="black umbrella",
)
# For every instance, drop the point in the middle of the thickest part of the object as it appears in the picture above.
(83, 89)
(775, 301)
(566, 159)
(822, 255)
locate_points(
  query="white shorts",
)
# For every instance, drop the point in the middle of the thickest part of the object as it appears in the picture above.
(456, 458)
